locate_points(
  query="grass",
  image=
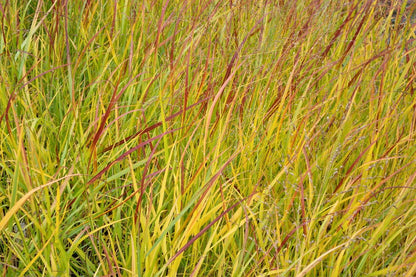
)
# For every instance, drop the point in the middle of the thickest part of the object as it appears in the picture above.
(207, 138)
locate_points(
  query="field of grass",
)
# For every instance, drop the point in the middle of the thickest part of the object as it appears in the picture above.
(207, 138)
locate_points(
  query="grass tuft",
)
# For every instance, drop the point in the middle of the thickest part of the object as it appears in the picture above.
(207, 138)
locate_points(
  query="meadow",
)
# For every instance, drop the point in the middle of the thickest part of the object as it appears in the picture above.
(207, 138)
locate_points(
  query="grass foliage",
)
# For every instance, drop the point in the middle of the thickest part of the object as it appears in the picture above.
(207, 138)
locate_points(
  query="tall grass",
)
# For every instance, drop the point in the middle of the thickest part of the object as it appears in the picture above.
(216, 138)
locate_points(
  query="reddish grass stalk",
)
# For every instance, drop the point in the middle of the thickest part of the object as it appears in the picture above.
(206, 228)
(123, 156)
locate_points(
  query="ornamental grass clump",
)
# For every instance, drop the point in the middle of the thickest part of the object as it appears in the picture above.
(207, 138)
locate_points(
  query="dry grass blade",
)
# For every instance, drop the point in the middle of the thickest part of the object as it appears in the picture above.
(18, 205)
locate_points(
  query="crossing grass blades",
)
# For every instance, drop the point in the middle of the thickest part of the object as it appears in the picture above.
(207, 138)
